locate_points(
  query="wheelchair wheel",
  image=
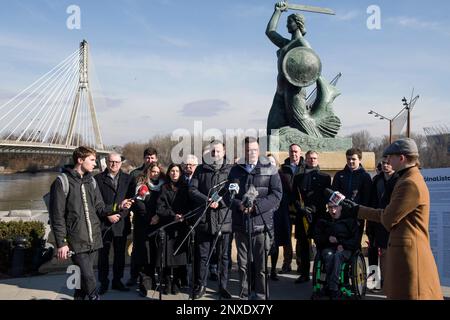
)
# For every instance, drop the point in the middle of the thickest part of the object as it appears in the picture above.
(359, 276)
(319, 278)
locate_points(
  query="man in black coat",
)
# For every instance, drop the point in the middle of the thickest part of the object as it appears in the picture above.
(354, 182)
(256, 173)
(208, 175)
(114, 186)
(284, 217)
(309, 188)
(74, 212)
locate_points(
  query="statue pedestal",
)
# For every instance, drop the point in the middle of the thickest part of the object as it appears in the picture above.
(281, 139)
(331, 162)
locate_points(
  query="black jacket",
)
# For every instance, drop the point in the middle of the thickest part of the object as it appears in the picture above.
(380, 198)
(112, 196)
(267, 182)
(70, 225)
(169, 204)
(205, 177)
(355, 185)
(309, 188)
(344, 229)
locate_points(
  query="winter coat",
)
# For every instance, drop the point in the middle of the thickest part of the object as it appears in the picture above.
(355, 185)
(70, 223)
(309, 188)
(411, 271)
(205, 177)
(344, 229)
(266, 180)
(112, 196)
(284, 217)
(170, 203)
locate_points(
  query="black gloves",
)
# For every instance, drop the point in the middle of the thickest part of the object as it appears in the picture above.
(308, 212)
(350, 207)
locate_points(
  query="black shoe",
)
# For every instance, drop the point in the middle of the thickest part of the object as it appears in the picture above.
(223, 293)
(336, 295)
(273, 276)
(213, 276)
(286, 268)
(175, 288)
(131, 282)
(199, 292)
(119, 286)
(142, 291)
(79, 295)
(302, 279)
(103, 289)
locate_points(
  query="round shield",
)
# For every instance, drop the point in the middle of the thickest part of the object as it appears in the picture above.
(301, 66)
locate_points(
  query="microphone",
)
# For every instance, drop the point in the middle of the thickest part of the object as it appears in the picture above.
(233, 188)
(249, 197)
(142, 192)
(335, 197)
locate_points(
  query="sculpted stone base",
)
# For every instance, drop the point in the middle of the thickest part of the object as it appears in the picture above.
(284, 137)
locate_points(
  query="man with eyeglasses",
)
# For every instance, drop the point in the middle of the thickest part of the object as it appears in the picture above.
(114, 185)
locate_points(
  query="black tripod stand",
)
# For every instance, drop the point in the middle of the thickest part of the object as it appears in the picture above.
(192, 232)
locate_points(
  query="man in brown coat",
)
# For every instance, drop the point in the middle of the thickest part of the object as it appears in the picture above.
(411, 271)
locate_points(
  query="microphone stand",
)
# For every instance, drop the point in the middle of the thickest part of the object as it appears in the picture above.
(249, 255)
(219, 235)
(191, 232)
(266, 256)
(162, 247)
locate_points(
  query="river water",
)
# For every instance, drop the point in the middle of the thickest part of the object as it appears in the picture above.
(24, 190)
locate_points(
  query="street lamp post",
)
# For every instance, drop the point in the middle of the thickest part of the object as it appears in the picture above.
(381, 117)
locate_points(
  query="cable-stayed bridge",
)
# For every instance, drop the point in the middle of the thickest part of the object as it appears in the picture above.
(55, 114)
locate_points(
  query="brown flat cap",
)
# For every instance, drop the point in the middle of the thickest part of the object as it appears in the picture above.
(406, 146)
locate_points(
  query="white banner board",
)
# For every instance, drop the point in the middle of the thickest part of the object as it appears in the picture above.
(438, 182)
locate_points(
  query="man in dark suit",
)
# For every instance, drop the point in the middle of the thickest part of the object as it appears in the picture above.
(308, 190)
(114, 186)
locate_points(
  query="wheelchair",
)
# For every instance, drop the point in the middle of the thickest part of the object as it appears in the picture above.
(352, 277)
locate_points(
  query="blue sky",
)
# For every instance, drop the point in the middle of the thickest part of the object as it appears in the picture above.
(163, 64)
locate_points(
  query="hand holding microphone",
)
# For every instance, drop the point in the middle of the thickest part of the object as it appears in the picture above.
(338, 199)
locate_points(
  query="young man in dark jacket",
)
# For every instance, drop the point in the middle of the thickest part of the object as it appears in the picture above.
(256, 173)
(354, 182)
(336, 239)
(74, 217)
(206, 176)
(114, 185)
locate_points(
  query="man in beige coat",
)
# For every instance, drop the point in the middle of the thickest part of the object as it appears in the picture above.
(411, 271)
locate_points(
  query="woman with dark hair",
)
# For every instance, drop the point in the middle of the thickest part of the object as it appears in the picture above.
(172, 205)
(146, 221)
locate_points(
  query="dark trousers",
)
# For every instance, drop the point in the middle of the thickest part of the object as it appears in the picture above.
(139, 254)
(303, 249)
(260, 246)
(88, 285)
(119, 245)
(333, 260)
(204, 246)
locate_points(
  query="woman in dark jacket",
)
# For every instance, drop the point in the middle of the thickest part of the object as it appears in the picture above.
(172, 205)
(146, 221)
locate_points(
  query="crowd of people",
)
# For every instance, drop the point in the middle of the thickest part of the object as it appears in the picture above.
(184, 219)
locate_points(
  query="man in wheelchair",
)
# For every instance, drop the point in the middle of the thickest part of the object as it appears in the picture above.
(336, 238)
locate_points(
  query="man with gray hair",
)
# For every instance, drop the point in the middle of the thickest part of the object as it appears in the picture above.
(411, 271)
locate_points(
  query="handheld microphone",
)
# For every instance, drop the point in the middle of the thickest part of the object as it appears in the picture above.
(142, 192)
(233, 188)
(335, 197)
(250, 197)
